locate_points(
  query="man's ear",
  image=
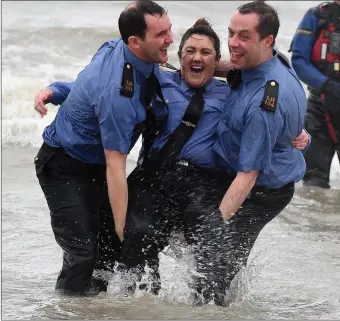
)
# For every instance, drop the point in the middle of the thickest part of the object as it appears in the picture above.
(269, 41)
(134, 42)
(217, 60)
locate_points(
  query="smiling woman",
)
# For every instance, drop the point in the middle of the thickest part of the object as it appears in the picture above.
(180, 186)
(199, 54)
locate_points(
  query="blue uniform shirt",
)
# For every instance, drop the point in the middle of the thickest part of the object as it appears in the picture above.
(95, 116)
(302, 46)
(252, 138)
(177, 93)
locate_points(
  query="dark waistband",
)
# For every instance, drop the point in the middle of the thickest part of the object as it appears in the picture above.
(224, 174)
(188, 164)
(48, 148)
(283, 188)
(45, 148)
(216, 172)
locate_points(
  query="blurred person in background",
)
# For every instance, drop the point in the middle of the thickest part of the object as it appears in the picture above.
(316, 60)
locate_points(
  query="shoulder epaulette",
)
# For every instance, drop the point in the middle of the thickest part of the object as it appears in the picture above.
(127, 88)
(270, 97)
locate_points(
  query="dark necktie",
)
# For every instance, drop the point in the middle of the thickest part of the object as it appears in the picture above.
(152, 88)
(185, 129)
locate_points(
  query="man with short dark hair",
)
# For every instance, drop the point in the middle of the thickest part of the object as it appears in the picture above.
(264, 112)
(87, 144)
(316, 60)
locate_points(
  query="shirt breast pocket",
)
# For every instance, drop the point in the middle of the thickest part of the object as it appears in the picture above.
(223, 132)
(237, 126)
(214, 105)
(176, 108)
(224, 141)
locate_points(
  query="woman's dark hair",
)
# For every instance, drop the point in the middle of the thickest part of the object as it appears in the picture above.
(201, 27)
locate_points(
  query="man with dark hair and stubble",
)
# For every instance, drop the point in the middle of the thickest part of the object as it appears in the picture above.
(81, 165)
(264, 112)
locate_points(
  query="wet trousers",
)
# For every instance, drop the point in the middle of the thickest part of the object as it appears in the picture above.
(320, 154)
(171, 197)
(241, 231)
(81, 217)
(162, 198)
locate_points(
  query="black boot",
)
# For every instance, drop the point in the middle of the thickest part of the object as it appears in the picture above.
(97, 285)
(316, 182)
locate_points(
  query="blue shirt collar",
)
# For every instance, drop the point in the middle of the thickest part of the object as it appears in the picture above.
(142, 66)
(257, 72)
(185, 87)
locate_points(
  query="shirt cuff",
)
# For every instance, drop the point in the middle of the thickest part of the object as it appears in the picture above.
(57, 97)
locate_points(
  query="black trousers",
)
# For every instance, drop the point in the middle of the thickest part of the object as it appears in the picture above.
(242, 230)
(161, 199)
(81, 217)
(171, 197)
(321, 152)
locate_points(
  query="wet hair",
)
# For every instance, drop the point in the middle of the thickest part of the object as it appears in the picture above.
(201, 27)
(131, 21)
(269, 22)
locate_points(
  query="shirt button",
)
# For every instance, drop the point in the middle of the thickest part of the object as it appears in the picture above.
(167, 100)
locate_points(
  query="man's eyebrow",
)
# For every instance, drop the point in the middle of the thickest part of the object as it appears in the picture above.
(163, 31)
(242, 30)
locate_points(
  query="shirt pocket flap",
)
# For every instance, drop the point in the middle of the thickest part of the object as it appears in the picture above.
(221, 127)
(238, 125)
(215, 103)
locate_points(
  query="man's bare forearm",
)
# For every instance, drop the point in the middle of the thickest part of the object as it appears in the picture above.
(237, 193)
(118, 194)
